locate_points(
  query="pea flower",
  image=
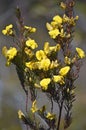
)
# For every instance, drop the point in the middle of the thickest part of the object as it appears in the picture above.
(57, 19)
(31, 65)
(44, 83)
(54, 33)
(40, 55)
(80, 52)
(8, 30)
(44, 64)
(63, 71)
(49, 26)
(29, 52)
(30, 29)
(58, 79)
(67, 60)
(50, 116)
(9, 54)
(20, 114)
(31, 43)
(34, 107)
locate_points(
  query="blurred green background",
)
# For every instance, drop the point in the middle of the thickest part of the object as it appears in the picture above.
(36, 13)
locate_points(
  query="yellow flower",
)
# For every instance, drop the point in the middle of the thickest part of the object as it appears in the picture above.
(49, 26)
(29, 52)
(20, 114)
(67, 60)
(30, 29)
(49, 49)
(63, 5)
(9, 54)
(8, 30)
(46, 47)
(32, 65)
(31, 43)
(44, 64)
(34, 107)
(50, 116)
(63, 71)
(57, 19)
(54, 64)
(80, 52)
(54, 24)
(40, 55)
(54, 33)
(58, 79)
(44, 83)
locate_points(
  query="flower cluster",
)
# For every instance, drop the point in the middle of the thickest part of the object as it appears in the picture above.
(44, 69)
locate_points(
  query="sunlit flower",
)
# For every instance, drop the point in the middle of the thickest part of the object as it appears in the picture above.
(29, 52)
(49, 26)
(31, 43)
(80, 52)
(50, 116)
(30, 29)
(20, 114)
(8, 30)
(63, 5)
(54, 33)
(9, 53)
(46, 47)
(49, 49)
(31, 65)
(58, 79)
(63, 71)
(67, 60)
(40, 55)
(54, 64)
(34, 107)
(44, 64)
(44, 83)
(57, 19)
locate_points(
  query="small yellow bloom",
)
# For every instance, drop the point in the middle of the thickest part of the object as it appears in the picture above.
(46, 47)
(54, 33)
(49, 49)
(32, 65)
(57, 19)
(80, 52)
(44, 83)
(54, 64)
(50, 116)
(31, 43)
(8, 30)
(58, 79)
(67, 60)
(29, 52)
(9, 54)
(49, 26)
(68, 90)
(40, 55)
(54, 24)
(63, 71)
(44, 64)
(65, 18)
(34, 107)
(63, 5)
(30, 29)
(20, 114)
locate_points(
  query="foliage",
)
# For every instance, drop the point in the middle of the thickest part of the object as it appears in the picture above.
(51, 70)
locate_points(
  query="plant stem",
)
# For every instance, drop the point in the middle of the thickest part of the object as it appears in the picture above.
(26, 108)
(60, 113)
